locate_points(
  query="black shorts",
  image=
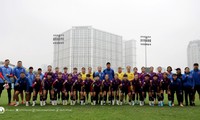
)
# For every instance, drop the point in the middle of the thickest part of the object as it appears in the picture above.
(77, 89)
(21, 89)
(1, 86)
(47, 88)
(115, 88)
(125, 91)
(30, 89)
(105, 89)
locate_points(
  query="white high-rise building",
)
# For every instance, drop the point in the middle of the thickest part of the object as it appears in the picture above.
(85, 46)
(130, 53)
(193, 53)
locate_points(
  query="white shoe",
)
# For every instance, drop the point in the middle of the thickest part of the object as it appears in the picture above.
(94, 102)
(33, 103)
(129, 103)
(133, 103)
(81, 102)
(17, 103)
(74, 102)
(121, 103)
(113, 102)
(117, 102)
(52, 102)
(44, 103)
(101, 102)
(41, 103)
(71, 102)
(55, 102)
(27, 104)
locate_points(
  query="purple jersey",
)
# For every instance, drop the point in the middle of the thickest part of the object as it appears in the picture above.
(142, 76)
(97, 85)
(160, 76)
(48, 84)
(78, 84)
(65, 76)
(165, 82)
(151, 75)
(58, 84)
(68, 84)
(74, 76)
(87, 84)
(115, 83)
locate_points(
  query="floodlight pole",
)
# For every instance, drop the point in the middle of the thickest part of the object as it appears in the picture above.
(146, 41)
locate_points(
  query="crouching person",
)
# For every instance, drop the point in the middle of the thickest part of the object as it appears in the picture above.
(22, 84)
(37, 89)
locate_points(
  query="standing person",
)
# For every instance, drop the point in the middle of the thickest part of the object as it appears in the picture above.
(151, 72)
(49, 70)
(40, 73)
(106, 84)
(188, 84)
(65, 73)
(180, 77)
(7, 74)
(77, 89)
(196, 76)
(91, 73)
(83, 73)
(115, 89)
(86, 89)
(155, 90)
(58, 87)
(75, 74)
(164, 86)
(47, 88)
(37, 89)
(97, 90)
(22, 84)
(109, 71)
(55, 75)
(31, 78)
(146, 85)
(160, 74)
(120, 73)
(68, 90)
(2, 82)
(176, 87)
(129, 73)
(135, 71)
(125, 89)
(135, 83)
(169, 72)
(16, 71)
(99, 73)
(143, 73)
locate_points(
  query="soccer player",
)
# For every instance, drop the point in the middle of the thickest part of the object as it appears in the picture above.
(196, 76)
(77, 88)
(49, 70)
(125, 89)
(31, 77)
(120, 73)
(109, 71)
(146, 85)
(22, 84)
(135, 83)
(99, 73)
(97, 89)
(75, 74)
(180, 77)
(2, 81)
(115, 89)
(37, 89)
(188, 84)
(154, 90)
(16, 71)
(160, 74)
(143, 73)
(151, 72)
(65, 73)
(106, 84)
(129, 73)
(48, 88)
(176, 87)
(68, 90)
(58, 88)
(91, 73)
(40, 73)
(169, 72)
(135, 71)
(55, 75)
(164, 86)
(83, 73)
(86, 89)
(7, 74)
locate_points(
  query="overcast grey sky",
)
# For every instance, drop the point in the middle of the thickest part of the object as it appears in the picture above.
(27, 26)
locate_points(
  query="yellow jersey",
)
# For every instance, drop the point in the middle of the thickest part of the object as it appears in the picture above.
(130, 76)
(120, 75)
(83, 76)
(91, 76)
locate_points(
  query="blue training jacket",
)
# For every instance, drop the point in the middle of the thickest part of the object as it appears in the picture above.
(110, 73)
(23, 82)
(18, 70)
(5, 71)
(196, 76)
(188, 80)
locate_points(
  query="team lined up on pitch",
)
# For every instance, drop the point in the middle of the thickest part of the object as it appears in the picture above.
(102, 87)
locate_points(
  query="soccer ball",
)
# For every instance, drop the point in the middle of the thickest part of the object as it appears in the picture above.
(2, 110)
